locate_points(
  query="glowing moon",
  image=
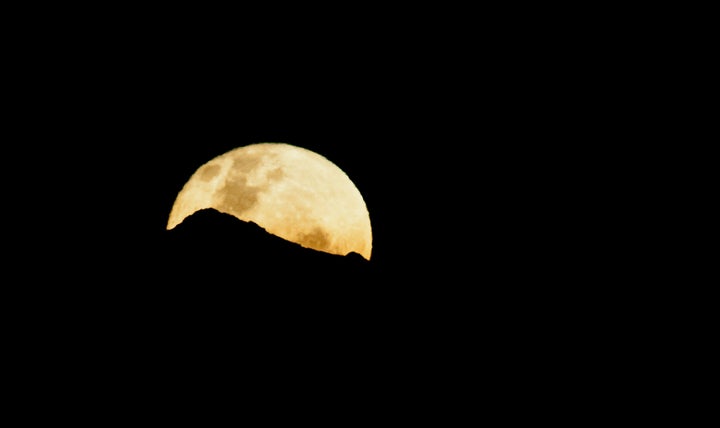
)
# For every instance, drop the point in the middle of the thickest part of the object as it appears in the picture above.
(289, 191)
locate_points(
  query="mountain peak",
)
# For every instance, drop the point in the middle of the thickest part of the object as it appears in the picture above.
(210, 242)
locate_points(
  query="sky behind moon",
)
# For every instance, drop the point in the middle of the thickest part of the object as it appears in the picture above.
(481, 145)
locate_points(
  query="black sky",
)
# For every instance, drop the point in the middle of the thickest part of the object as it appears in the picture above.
(455, 157)
(447, 129)
(464, 148)
(471, 144)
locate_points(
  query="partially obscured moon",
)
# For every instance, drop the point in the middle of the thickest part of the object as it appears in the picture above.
(289, 191)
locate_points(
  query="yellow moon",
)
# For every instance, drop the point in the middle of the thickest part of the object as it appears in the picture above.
(291, 192)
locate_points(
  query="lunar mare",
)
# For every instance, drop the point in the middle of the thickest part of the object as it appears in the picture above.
(289, 191)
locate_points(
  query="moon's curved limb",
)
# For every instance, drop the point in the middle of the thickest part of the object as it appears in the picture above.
(291, 192)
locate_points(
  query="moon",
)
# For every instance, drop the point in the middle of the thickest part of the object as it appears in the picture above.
(291, 192)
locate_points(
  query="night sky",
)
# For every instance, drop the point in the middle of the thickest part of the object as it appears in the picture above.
(472, 159)
(459, 175)
(456, 148)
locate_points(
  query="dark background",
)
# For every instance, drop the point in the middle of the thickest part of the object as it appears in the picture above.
(474, 145)
(460, 131)
(444, 159)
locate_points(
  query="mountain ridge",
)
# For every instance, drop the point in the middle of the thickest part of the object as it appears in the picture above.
(209, 223)
(223, 255)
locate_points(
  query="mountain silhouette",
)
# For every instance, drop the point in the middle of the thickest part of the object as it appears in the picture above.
(214, 263)
(210, 244)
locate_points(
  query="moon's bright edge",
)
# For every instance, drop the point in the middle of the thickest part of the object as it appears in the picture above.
(289, 191)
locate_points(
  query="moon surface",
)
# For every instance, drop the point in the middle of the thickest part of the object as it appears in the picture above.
(291, 192)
